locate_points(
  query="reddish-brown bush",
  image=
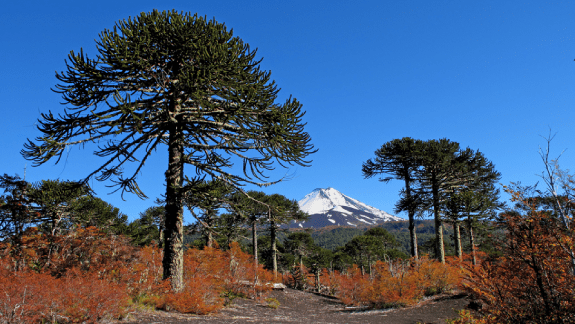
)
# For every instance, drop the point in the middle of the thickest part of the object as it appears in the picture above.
(210, 273)
(533, 281)
(86, 275)
(396, 282)
(30, 297)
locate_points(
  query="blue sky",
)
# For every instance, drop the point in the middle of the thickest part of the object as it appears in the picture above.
(492, 75)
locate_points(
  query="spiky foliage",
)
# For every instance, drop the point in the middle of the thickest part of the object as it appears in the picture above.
(179, 80)
(445, 169)
(399, 159)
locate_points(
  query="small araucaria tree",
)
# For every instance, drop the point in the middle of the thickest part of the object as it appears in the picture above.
(179, 80)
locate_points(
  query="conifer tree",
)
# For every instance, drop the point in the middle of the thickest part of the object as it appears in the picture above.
(476, 199)
(446, 169)
(56, 200)
(399, 159)
(439, 172)
(208, 197)
(282, 211)
(16, 211)
(183, 82)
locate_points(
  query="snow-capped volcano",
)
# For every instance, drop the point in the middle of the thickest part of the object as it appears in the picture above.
(331, 207)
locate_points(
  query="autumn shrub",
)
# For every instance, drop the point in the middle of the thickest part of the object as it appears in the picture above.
(211, 275)
(467, 317)
(352, 286)
(436, 278)
(86, 275)
(87, 249)
(143, 276)
(31, 297)
(331, 281)
(204, 276)
(395, 282)
(533, 282)
(20, 300)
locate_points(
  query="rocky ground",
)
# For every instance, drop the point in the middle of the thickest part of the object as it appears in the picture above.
(303, 307)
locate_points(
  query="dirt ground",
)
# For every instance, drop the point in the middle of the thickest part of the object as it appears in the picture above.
(303, 307)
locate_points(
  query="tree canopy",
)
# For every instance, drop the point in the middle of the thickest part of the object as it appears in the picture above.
(183, 82)
(434, 172)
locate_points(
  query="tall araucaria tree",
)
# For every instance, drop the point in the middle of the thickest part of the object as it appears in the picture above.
(446, 169)
(179, 80)
(399, 159)
(475, 200)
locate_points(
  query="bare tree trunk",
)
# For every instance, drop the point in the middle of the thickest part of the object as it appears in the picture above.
(411, 216)
(161, 237)
(255, 243)
(369, 266)
(173, 262)
(210, 240)
(274, 248)
(457, 234)
(439, 249)
(472, 241)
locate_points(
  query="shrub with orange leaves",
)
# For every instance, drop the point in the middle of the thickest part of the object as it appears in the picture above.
(435, 277)
(87, 249)
(211, 273)
(534, 280)
(352, 286)
(86, 275)
(30, 297)
(395, 282)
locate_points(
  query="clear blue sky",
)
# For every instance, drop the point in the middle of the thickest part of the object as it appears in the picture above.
(491, 75)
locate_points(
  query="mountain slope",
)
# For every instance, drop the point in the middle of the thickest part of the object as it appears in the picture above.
(328, 207)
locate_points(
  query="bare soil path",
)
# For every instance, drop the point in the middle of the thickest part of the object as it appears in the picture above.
(303, 307)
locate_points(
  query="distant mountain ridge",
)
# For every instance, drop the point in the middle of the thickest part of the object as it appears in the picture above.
(328, 207)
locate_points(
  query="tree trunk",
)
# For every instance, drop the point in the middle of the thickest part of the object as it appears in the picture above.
(274, 248)
(255, 243)
(369, 266)
(457, 234)
(471, 240)
(411, 216)
(439, 250)
(210, 239)
(173, 261)
(161, 237)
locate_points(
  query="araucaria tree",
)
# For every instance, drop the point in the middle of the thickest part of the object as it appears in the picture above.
(433, 171)
(179, 80)
(399, 159)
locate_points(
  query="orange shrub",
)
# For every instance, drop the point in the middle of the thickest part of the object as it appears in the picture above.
(396, 282)
(533, 282)
(29, 297)
(352, 286)
(87, 275)
(435, 277)
(20, 300)
(210, 272)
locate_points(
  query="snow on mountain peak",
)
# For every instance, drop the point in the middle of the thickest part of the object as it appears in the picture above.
(321, 200)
